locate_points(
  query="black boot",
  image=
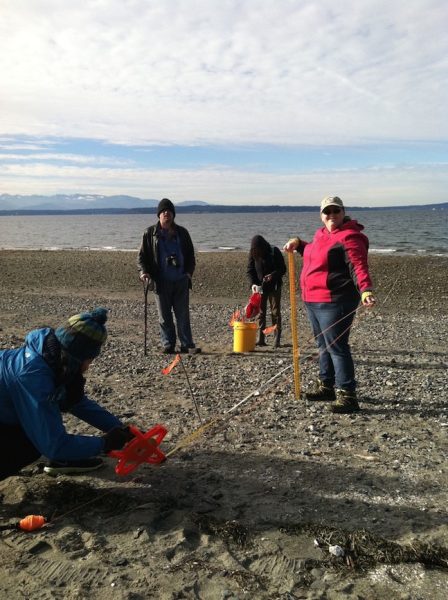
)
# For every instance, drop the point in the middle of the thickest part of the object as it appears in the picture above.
(321, 392)
(346, 402)
(261, 339)
(277, 338)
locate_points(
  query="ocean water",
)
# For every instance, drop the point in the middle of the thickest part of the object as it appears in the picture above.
(393, 231)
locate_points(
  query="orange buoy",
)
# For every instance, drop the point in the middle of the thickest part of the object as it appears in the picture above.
(32, 522)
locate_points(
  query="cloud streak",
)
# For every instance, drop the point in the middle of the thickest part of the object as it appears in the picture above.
(233, 72)
(378, 186)
(136, 74)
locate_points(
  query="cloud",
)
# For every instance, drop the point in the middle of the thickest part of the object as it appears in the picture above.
(207, 71)
(377, 186)
(63, 157)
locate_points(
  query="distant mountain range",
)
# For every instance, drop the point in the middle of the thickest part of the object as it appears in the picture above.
(69, 202)
(94, 203)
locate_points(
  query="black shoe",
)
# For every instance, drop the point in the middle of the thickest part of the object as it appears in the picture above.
(321, 393)
(277, 338)
(346, 402)
(192, 350)
(73, 467)
(168, 350)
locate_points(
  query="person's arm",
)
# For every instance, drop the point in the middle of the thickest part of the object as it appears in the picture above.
(252, 273)
(188, 252)
(279, 267)
(143, 259)
(92, 413)
(295, 245)
(41, 418)
(356, 246)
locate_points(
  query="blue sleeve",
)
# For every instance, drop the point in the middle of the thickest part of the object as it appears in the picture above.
(92, 413)
(41, 418)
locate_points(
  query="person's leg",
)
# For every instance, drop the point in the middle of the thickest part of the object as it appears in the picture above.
(320, 317)
(181, 307)
(262, 320)
(164, 302)
(335, 320)
(16, 450)
(275, 302)
(336, 338)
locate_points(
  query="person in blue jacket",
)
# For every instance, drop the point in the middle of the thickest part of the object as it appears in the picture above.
(45, 378)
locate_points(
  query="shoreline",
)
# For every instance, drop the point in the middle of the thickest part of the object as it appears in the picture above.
(372, 251)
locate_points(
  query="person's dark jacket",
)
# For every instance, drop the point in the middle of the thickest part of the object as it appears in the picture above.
(272, 264)
(148, 256)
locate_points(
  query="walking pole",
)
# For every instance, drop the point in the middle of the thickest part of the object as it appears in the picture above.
(294, 333)
(145, 292)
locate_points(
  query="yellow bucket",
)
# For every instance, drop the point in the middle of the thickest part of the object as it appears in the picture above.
(244, 336)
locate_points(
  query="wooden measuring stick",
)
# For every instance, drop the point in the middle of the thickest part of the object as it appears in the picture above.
(294, 332)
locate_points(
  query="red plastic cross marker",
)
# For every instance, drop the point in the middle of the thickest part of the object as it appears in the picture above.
(143, 448)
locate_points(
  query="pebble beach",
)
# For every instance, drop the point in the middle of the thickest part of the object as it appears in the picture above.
(249, 507)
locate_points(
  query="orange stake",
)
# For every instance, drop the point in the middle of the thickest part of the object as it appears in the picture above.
(32, 522)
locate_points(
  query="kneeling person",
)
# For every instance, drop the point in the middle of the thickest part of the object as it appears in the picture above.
(42, 380)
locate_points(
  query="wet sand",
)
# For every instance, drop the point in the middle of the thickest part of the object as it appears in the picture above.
(235, 513)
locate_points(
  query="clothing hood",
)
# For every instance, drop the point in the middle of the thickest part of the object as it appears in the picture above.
(35, 339)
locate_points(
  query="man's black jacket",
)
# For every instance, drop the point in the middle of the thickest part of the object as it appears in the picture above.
(148, 256)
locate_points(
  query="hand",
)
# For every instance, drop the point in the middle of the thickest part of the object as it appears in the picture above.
(116, 438)
(368, 299)
(256, 289)
(291, 245)
(267, 278)
(144, 277)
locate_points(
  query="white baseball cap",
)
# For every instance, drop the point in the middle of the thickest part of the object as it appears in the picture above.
(331, 201)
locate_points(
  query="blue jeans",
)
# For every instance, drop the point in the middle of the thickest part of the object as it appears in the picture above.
(331, 323)
(174, 296)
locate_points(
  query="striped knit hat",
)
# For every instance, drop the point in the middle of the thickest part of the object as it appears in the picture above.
(84, 334)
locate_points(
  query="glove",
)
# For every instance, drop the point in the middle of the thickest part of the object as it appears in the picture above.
(367, 298)
(256, 289)
(291, 245)
(116, 438)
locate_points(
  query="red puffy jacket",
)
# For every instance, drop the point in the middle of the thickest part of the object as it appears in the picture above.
(335, 264)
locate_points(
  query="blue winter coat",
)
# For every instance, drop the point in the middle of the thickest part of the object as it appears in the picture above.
(27, 384)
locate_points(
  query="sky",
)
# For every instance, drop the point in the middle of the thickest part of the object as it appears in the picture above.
(226, 101)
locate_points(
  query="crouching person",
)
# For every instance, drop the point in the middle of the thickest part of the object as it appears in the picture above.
(40, 381)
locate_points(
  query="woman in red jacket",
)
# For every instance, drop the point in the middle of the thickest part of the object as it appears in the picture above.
(335, 276)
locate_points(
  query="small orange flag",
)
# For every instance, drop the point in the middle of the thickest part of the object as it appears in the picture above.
(270, 329)
(236, 316)
(167, 370)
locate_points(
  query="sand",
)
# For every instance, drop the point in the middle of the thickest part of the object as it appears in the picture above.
(249, 508)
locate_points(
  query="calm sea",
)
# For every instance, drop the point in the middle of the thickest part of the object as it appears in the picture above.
(392, 231)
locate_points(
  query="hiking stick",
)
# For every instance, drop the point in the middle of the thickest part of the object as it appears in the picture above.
(145, 292)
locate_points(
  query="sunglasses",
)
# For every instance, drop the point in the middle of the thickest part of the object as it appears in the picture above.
(331, 211)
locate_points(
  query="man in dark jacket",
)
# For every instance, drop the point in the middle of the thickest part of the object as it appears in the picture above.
(166, 263)
(265, 269)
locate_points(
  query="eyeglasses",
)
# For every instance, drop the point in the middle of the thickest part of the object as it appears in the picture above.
(331, 211)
